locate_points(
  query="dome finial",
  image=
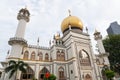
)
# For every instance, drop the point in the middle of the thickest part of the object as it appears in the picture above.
(25, 6)
(69, 12)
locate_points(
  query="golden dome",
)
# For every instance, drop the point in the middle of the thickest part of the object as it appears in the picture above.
(73, 21)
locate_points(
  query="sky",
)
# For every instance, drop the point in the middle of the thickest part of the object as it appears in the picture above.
(47, 15)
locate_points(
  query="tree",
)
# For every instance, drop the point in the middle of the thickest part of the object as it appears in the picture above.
(51, 77)
(112, 45)
(14, 66)
(110, 74)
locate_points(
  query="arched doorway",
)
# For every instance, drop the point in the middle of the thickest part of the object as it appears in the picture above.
(28, 75)
(88, 77)
(42, 73)
(61, 73)
(84, 58)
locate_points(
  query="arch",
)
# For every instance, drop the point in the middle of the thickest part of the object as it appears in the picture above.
(26, 55)
(58, 55)
(88, 77)
(46, 57)
(42, 73)
(84, 58)
(28, 75)
(61, 73)
(33, 56)
(62, 55)
(40, 56)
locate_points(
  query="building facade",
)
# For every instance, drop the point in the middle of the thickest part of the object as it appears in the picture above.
(69, 57)
(114, 28)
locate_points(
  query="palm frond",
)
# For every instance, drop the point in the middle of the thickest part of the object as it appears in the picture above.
(23, 67)
(11, 73)
(9, 68)
(12, 62)
(20, 62)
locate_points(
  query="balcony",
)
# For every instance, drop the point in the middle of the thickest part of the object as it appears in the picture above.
(16, 40)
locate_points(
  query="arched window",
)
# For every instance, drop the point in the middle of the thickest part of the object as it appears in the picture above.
(33, 56)
(42, 73)
(58, 55)
(84, 58)
(40, 56)
(88, 77)
(62, 55)
(28, 75)
(26, 55)
(61, 73)
(46, 57)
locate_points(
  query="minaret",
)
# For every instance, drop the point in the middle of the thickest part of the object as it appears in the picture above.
(18, 42)
(102, 53)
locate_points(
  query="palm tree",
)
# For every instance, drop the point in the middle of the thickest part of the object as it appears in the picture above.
(14, 66)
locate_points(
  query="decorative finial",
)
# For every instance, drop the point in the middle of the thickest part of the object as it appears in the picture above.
(96, 30)
(25, 6)
(38, 41)
(50, 43)
(86, 29)
(69, 27)
(69, 12)
(8, 52)
(54, 37)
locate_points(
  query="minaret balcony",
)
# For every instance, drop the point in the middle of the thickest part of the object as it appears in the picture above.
(16, 40)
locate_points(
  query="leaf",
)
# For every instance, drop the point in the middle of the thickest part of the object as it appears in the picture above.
(9, 68)
(11, 73)
(112, 45)
(12, 62)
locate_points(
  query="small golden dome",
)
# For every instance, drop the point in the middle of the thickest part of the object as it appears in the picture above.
(57, 36)
(73, 21)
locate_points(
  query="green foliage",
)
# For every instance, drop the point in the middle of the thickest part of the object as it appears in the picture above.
(112, 45)
(14, 66)
(110, 74)
(52, 77)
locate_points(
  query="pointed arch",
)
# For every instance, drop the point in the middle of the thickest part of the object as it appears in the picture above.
(46, 57)
(26, 55)
(84, 58)
(42, 73)
(40, 56)
(61, 73)
(62, 55)
(58, 55)
(28, 75)
(88, 77)
(32, 56)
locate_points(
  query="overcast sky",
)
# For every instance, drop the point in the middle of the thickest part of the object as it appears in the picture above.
(47, 15)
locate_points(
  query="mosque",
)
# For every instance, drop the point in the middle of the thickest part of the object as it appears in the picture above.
(69, 57)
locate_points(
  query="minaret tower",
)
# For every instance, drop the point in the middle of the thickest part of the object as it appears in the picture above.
(102, 53)
(18, 42)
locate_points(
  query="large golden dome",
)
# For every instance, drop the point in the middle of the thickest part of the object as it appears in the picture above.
(73, 21)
